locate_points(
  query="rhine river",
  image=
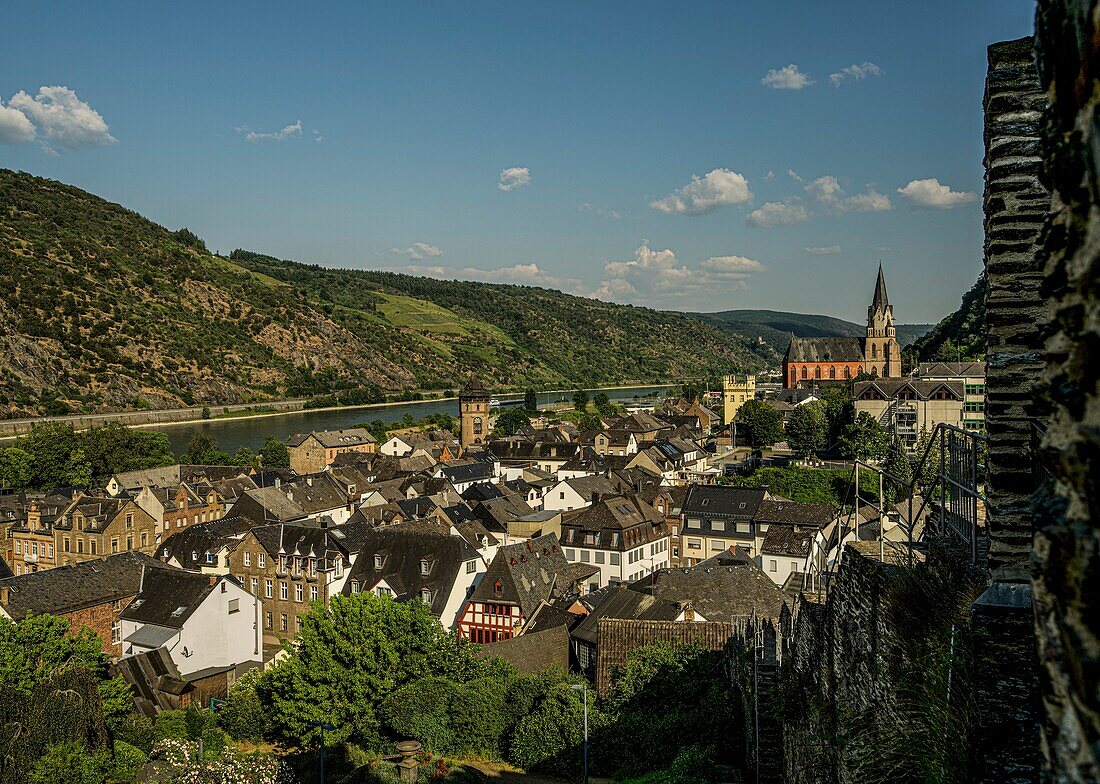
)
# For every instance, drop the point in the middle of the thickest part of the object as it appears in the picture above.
(232, 433)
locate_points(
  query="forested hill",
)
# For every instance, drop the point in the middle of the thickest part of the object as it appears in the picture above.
(776, 328)
(961, 334)
(101, 309)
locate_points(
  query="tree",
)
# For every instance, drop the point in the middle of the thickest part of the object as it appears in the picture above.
(580, 400)
(242, 715)
(245, 457)
(603, 404)
(511, 421)
(33, 648)
(865, 438)
(530, 402)
(690, 392)
(897, 463)
(759, 423)
(351, 655)
(927, 474)
(840, 411)
(203, 449)
(377, 429)
(589, 420)
(807, 429)
(274, 454)
(70, 762)
(16, 468)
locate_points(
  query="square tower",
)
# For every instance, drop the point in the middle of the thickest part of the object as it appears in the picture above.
(473, 412)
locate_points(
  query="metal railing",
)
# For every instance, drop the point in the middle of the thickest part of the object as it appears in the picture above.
(946, 485)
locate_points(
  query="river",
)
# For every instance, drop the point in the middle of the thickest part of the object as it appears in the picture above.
(232, 433)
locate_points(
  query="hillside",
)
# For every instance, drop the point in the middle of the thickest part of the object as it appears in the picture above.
(776, 328)
(103, 310)
(959, 335)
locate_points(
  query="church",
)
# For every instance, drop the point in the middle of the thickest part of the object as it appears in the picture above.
(810, 361)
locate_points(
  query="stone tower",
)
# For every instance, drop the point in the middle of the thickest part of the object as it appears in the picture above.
(473, 411)
(735, 392)
(881, 352)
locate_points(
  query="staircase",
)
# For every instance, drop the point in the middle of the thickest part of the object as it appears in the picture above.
(794, 585)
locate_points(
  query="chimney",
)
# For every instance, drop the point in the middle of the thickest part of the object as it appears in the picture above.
(595, 497)
(5, 593)
(213, 580)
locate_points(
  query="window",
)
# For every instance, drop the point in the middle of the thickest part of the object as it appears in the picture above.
(471, 567)
(247, 558)
(129, 521)
(116, 632)
(477, 426)
(694, 543)
(773, 565)
(261, 560)
(130, 542)
(599, 557)
(498, 588)
(694, 522)
(425, 596)
(298, 624)
(299, 593)
(114, 545)
(210, 558)
(718, 545)
(585, 556)
(384, 592)
(282, 622)
(80, 545)
(794, 566)
(570, 555)
(355, 586)
(425, 567)
(144, 538)
(94, 545)
(615, 559)
(744, 528)
(313, 593)
(377, 562)
(65, 544)
(267, 620)
(255, 586)
(234, 606)
(267, 589)
(283, 591)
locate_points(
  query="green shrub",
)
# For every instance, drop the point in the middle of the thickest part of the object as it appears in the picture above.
(243, 715)
(171, 725)
(129, 760)
(137, 730)
(550, 738)
(693, 764)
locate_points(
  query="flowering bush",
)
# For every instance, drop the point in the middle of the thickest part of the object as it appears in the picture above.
(179, 763)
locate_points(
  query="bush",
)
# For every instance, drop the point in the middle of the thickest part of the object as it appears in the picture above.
(70, 763)
(137, 731)
(693, 764)
(171, 725)
(242, 715)
(550, 738)
(129, 760)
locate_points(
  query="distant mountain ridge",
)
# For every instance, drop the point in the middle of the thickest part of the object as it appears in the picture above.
(104, 310)
(776, 328)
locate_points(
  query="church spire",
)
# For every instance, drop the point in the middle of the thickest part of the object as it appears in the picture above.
(880, 301)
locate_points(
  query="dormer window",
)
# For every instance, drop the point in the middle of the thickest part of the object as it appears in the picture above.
(425, 596)
(498, 588)
(425, 567)
(355, 586)
(377, 561)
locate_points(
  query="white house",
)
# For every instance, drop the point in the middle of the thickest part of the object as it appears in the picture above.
(623, 536)
(203, 621)
(577, 493)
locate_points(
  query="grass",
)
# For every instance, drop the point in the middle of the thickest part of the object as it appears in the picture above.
(421, 315)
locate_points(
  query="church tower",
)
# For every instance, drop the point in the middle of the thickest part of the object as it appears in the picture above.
(881, 352)
(473, 409)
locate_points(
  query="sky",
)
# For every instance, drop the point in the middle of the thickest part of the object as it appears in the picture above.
(686, 156)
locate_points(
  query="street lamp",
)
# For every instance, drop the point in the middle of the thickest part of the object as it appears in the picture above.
(322, 726)
(583, 688)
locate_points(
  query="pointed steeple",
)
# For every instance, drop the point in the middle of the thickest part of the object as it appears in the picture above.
(880, 301)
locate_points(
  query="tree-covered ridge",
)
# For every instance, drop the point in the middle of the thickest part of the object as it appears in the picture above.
(103, 310)
(959, 336)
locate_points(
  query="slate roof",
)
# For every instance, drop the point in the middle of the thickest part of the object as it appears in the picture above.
(190, 545)
(304, 540)
(530, 573)
(793, 513)
(334, 439)
(619, 637)
(173, 475)
(716, 593)
(590, 487)
(473, 389)
(923, 390)
(402, 547)
(86, 584)
(473, 471)
(168, 597)
(951, 369)
(620, 522)
(532, 450)
(533, 651)
(722, 501)
(620, 601)
(497, 513)
(788, 540)
(5, 570)
(825, 350)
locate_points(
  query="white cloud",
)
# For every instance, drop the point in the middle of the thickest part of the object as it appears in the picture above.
(514, 177)
(717, 188)
(794, 175)
(822, 250)
(827, 192)
(770, 175)
(15, 128)
(318, 137)
(856, 72)
(417, 251)
(778, 213)
(786, 78)
(603, 213)
(656, 275)
(292, 131)
(931, 195)
(60, 118)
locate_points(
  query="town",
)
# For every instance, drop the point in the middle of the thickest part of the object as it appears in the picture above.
(381, 510)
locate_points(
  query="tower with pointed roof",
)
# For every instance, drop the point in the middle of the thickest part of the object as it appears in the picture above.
(473, 410)
(881, 350)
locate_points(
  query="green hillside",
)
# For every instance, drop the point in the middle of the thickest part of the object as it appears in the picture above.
(961, 334)
(103, 310)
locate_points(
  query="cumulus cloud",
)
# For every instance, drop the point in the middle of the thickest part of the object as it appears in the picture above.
(717, 188)
(292, 131)
(931, 195)
(827, 192)
(602, 212)
(778, 213)
(57, 117)
(417, 251)
(514, 177)
(855, 72)
(794, 175)
(658, 275)
(822, 250)
(15, 128)
(786, 78)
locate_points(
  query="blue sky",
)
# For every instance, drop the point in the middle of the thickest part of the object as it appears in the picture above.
(544, 143)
